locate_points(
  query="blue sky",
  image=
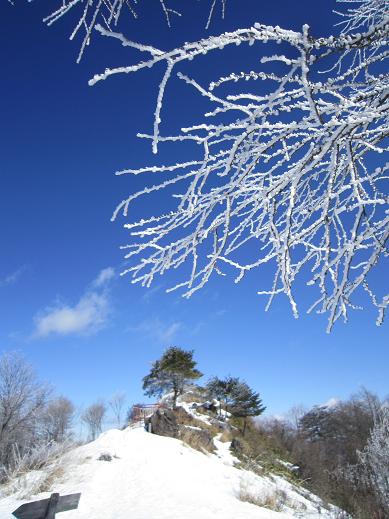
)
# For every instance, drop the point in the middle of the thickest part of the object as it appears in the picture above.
(86, 330)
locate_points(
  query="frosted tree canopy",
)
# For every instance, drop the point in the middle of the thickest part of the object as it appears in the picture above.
(289, 164)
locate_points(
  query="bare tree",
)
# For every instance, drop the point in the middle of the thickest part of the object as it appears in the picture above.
(57, 418)
(291, 166)
(295, 414)
(116, 404)
(372, 469)
(22, 398)
(375, 458)
(93, 417)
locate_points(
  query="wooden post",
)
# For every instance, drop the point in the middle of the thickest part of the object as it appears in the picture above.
(52, 506)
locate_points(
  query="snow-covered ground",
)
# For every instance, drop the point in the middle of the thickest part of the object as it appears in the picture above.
(154, 477)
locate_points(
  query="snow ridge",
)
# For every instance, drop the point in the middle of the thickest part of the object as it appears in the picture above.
(154, 477)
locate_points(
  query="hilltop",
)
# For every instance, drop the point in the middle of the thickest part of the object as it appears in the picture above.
(155, 477)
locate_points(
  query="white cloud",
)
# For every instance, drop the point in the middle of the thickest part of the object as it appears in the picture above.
(149, 292)
(84, 318)
(158, 330)
(167, 334)
(13, 277)
(104, 277)
(220, 313)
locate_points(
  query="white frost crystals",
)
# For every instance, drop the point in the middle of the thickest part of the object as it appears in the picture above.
(298, 176)
(291, 173)
(108, 13)
(94, 12)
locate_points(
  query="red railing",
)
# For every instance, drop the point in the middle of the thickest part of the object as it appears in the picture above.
(140, 412)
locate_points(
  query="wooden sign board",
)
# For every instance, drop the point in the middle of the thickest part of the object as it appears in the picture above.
(47, 508)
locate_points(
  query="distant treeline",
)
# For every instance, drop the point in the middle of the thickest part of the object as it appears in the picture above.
(342, 452)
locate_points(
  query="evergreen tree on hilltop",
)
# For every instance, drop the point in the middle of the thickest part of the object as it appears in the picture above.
(246, 403)
(238, 398)
(171, 373)
(318, 424)
(222, 390)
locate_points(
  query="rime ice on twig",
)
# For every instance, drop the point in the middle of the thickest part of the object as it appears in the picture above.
(300, 190)
(295, 176)
(103, 13)
(106, 13)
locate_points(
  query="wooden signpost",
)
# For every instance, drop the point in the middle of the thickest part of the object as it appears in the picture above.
(47, 508)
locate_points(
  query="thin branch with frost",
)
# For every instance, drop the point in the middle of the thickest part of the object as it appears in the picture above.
(107, 13)
(290, 178)
(38, 457)
(93, 13)
(290, 175)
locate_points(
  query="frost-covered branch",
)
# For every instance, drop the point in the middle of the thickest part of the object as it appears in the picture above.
(107, 13)
(293, 176)
(292, 168)
(92, 12)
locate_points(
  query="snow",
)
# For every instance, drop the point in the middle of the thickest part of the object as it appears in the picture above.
(332, 402)
(188, 407)
(192, 427)
(223, 452)
(287, 465)
(154, 477)
(191, 408)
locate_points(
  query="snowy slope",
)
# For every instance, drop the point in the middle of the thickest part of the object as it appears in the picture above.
(154, 477)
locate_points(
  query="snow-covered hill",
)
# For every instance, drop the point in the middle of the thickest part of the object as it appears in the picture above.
(154, 477)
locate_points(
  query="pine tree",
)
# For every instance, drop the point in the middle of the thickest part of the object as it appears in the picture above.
(171, 372)
(238, 398)
(318, 424)
(246, 403)
(222, 389)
